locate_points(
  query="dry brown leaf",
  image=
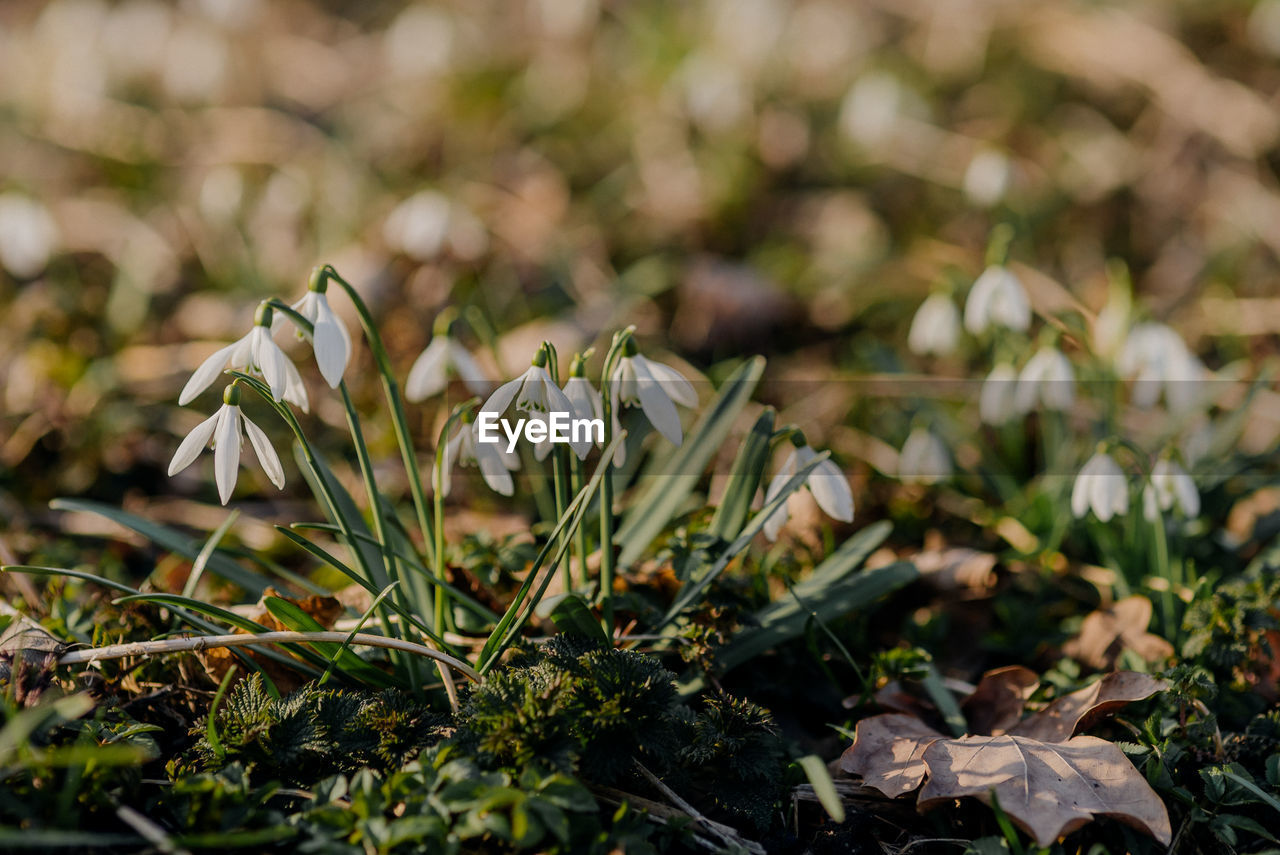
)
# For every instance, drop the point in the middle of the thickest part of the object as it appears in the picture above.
(1106, 633)
(958, 569)
(1049, 782)
(1062, 718)
(997, 703)
(1049, 789)
(887, 753)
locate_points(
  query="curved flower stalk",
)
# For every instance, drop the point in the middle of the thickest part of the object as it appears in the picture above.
(222, 430)
(997, 298)
(997, 400)
(1101, 487)
(924, 459)
(936, 326)
(826, 482)
(534, 391)
(430, 372)
(255, 353)
(1170, 487)
(494, 463)
(654, 388)
(330, 340)
(1160, 363)
(1048, 380)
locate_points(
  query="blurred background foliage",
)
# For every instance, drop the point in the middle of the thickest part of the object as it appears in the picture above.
(730, 175)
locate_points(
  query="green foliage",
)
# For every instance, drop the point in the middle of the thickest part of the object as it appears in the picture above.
(597, 712)
(316, 732)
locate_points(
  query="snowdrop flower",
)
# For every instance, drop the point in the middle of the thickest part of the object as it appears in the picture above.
(1047, 378)
(1158, 361)
(430, 372)
(923, 459)
(256, 353)
(329, 338)
(534, 391)
(1170, 486)
(1100, 487)
(223, 431)
(997, 400)
(655, 388)
(464, 450)
(826, 482)
(997, 298)
(935, 327)
(586, 402)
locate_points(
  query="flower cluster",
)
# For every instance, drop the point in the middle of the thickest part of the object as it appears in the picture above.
(630, 380)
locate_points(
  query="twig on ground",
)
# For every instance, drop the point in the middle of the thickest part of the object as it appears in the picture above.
(197, 643)
(729, 835)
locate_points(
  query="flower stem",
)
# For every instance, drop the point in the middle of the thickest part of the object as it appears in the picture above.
(395, 403)
(607, 557)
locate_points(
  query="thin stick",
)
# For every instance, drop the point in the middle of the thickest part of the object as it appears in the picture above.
(726, 833)
(179, 645)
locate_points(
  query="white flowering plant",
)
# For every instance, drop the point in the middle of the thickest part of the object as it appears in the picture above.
(605, 514)
(1091, 441)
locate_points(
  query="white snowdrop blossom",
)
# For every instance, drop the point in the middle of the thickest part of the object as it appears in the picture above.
(28, 235)
(534, 391)
(587, 404)
(924, 459)
(1170, 486)
(1100, 487)
(826, 482)
(495, 464)
(1046, 379)
(997, 298)
(655, 388)
(998, 396)
(257, 354)
(330, 340)
(430, 372)
(1159, 362)
(222, 430)
(935, 327)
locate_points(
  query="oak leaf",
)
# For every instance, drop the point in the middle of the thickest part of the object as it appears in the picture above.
(1049, 781)
(1048, 788)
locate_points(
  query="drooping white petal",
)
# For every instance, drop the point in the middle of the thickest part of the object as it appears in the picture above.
(429, 374)
(193, 444)
(676, 387)
(977, 306)
(935, 327)
(1188, 496)
(451, 458)
(997, 298)
(494, 469)
(657, 407)
(586, 401)
(831, 491)
(781, 477)
(502, 396)
(543, 447)
(1150, 503)
(295, 391)
(241, 357)
(923, 459)
(206, 373)
(997, 402)
(270, 360)
(266, 454)
(1080, 494)
(331, 343)
(226, 452)
(468, 369)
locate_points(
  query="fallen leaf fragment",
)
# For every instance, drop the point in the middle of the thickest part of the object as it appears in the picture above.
(887, 753)
(1062, 718)
(1106, 633)
(997, 703)
(1049, 789)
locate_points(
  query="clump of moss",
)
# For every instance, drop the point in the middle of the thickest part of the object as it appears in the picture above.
(313, 732)
(598, 712)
